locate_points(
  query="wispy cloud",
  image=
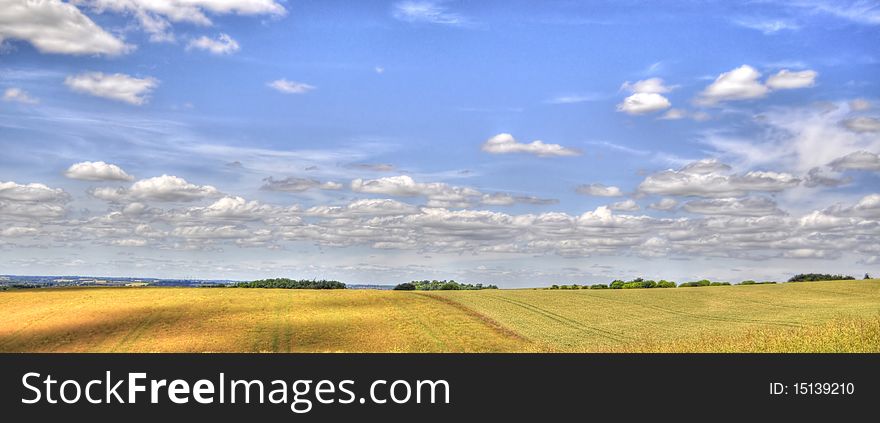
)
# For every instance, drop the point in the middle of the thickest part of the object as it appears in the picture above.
(767, 26)
(427, 12)
(573, 98)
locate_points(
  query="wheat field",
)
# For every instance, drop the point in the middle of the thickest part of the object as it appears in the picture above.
(839, 316)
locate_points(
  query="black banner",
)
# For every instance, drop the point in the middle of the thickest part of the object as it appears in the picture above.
(500, 387)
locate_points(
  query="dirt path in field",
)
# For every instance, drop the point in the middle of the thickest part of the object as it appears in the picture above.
(614, 336)
(486, 320)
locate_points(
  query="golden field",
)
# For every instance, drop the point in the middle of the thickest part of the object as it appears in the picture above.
(839, 316)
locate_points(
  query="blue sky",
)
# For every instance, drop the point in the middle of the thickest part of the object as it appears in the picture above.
(516, 143)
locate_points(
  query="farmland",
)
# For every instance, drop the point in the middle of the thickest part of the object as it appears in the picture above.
(809, 316)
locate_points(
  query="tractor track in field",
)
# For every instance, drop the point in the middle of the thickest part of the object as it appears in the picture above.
(705, 317)
(574, 324)
(488, 321)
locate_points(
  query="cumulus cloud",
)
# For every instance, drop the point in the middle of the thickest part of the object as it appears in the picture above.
(437, 193)
(626, 205)
(426, 11)
(290, 87)
(223, 44)
(739, 84)
(862, 124)
(155, 17)
(859, 160)
(645, 98)
(504, 199)
(160, 188)
(97, 171)
(19, 95)
(117, 86)
(709, 178)
(748, 206)
(665, 204)
(789, 80)
(820, 177)
(31, 192)
(53, 26)
(743, 83)
(31, 201)
(505, 144)
(440, 194)
(599, 190)
(292, 184)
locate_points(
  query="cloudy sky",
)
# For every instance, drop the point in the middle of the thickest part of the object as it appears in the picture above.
(516, 143)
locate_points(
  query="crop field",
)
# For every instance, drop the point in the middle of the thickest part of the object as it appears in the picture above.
(810, 316)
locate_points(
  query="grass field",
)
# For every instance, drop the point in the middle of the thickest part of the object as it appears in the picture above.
(812, 316)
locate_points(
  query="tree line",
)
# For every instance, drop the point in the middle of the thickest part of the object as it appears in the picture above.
(812, 277)
(443, 285)
(286, 283)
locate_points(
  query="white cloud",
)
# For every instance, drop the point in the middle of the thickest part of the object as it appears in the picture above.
(426, 11)
(646, 97)
(160, 188)
(708, 178)
(155, 17)
(290, 87)
(675, 114)
(31, 201)
(626, 205)
(224, 44)
(31, 192)
(665, 204)
(862, 124)
(795, 138)
(19, 95)
(379, 69)
(649, 86)
(641, 103)
(599, 190)
(292, 184)
(739, 84)
(859, 104)
(748, 206)
(437, 193)
(859, 160)
(117, 86)
(53, 26)
(743, 83)
(506, 144)
(97, 171)
(789, 80)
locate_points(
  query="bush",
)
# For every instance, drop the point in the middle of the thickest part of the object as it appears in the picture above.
(751, 282)
(450, 286)
(406, 286)
(704, 282)
(599, 286)
(617, 284)
(665, 284)
(811, 277)
(719, 284)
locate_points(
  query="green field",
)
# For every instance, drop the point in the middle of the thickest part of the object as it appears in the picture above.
(810, 316)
